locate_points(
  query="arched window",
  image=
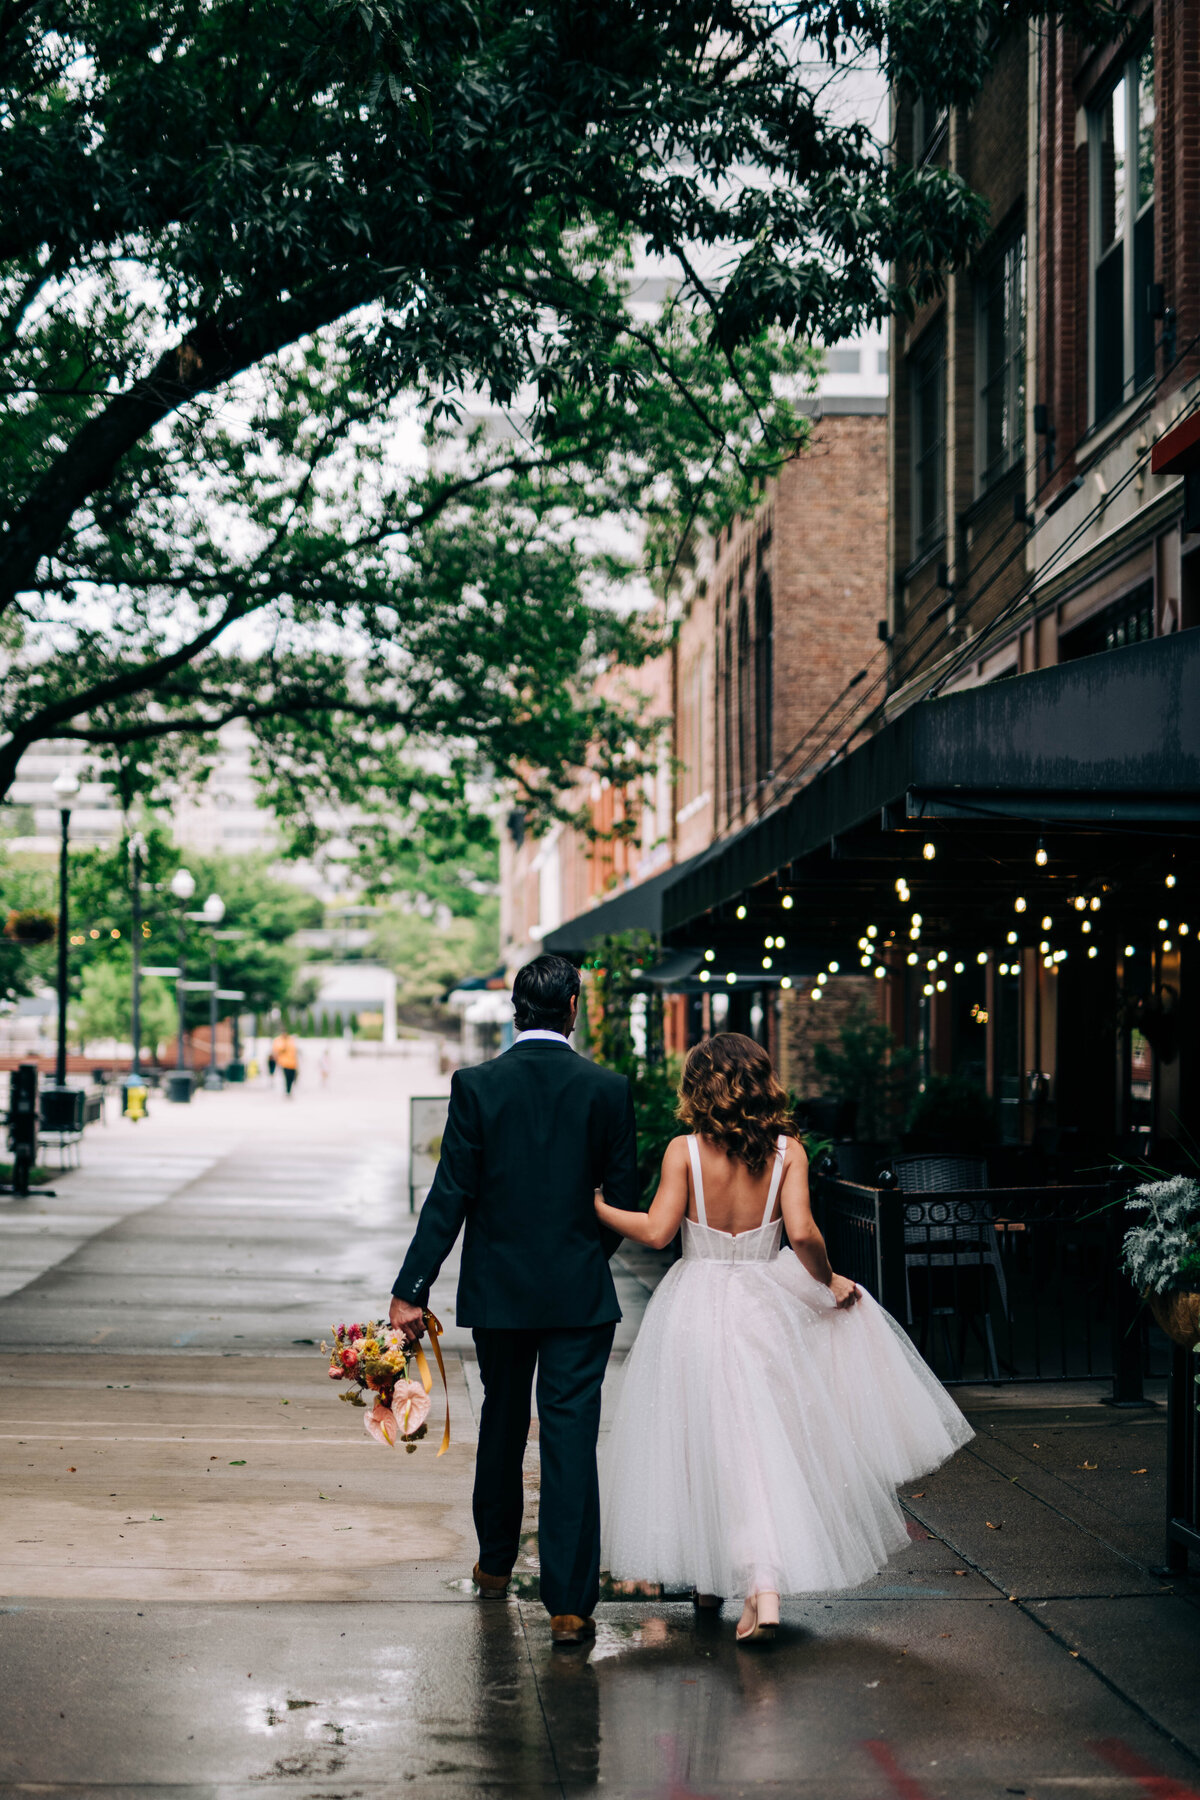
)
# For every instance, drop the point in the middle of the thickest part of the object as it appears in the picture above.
(745, 705)
(764, 679)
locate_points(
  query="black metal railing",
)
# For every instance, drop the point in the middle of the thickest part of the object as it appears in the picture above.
(996, 1285)
(1183, 1460)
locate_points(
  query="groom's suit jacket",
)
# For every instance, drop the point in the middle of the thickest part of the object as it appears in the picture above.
(529, 1137)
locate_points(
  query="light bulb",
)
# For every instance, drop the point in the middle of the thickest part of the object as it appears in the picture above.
(943, 956)
(787, 903)
(1086, 926)
(780, 943)
(872, 931)
(704, 975)
(1044, 946)
(786, 982)
(741, 912)
(958, 968)
(710, 956)
(931, 964)
(1041, 855)
(929, 851)
(731, 978)
(917, 919)
(914, 932)
(766, 962)
(1092, 951)
(1020, 903)
(913, 959)
(1166, 943)
(1047, 962)
(822, 978)
(864, 962)
(816, 994)
(1012, 937)
(981, 958)
(1129, 951)
(834, 967)
(1162, 924)
(1170, 881)
(941, 987)
(1183, 931)
(1047, 922)
(928, 988)
(1094, 903)
(879, 974)
(1003, 969)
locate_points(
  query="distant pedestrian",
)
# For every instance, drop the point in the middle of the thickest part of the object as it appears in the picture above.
(325, 1066)
(286, 1052)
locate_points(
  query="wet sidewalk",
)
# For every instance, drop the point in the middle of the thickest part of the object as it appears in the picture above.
(217, 1587)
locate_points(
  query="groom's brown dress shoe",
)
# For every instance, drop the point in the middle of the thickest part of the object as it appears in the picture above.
(489, 1587)
(569, 1628)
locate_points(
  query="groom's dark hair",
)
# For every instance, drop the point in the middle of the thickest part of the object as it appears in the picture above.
(543, 992)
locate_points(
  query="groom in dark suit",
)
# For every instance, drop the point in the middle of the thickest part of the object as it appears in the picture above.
(529, 1137)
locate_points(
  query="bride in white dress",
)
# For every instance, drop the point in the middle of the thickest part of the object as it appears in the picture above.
(770, 1408)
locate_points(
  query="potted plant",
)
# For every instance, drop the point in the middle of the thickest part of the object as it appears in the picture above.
(30, 925)
(1161, 1255)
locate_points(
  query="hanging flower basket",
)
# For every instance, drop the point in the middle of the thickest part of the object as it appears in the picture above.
(1179, 1316)
(29, 925)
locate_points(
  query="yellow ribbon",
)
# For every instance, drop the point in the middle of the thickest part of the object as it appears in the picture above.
(433, 1327)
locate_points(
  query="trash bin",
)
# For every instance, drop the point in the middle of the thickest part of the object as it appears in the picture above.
(234, 1071)
(180, 1083)
(62, 1109)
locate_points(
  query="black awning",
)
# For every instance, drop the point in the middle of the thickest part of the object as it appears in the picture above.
(1109, 739)
(637, 908)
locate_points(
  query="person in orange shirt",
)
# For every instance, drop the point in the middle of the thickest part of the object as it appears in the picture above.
(286, 1052)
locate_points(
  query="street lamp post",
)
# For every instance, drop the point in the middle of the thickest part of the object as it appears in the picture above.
(66, 786)
(212, 913)
(137, 852)
(183, 886)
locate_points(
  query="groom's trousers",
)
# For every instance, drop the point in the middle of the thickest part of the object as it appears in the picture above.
(570, 1368)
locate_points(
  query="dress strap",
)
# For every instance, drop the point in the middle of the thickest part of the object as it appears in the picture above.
(776, 1178)
(693, 1145)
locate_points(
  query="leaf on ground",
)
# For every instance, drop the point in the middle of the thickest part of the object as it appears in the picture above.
(1087, 1465)
(919, 1496)
(156, 1518)
(960, 1571)
(1072, 1653)
(1139, 1471)
(992, 1527)
(239, 1462)
(285, 1403)
(321, 1496)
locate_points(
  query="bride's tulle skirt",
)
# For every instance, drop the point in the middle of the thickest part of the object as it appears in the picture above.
(761, 1434)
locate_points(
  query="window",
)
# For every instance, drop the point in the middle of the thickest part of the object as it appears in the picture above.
(1121, 154)
(928, 374)
(745, 686)
(727, 695)
(764, 675)
(843, 362)
(929, 122)
(1129, 620)
(1002, 365)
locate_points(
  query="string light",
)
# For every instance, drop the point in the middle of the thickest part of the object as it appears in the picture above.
(1094, 903)
(880, 973)
(704, 975)
(822, 978)
(917, 920)
(864, 962)
(941, 987)
(1170, 881)
(1183, 930)
(982, 957)
(872, 931)
(1047, 922)
(1162, 924)
(816, 994)
(943, 956)
(1166, 943)
(958, 968)
(1047, 962)
(1012, 937)
(929, 851)
(1041, 856)
(1129, 951)
(731, 978)
(710, 956)
(1020, 903)
(1079, 903)
(1092, 951)
(834, 967)
(787, 903)
(786, 982)
(780, 943)
(914, 932)
(1044, 946)
(741, 912)
(913, 958)
(1086, 926)
(766, 962)
(928, 988)
(1003, 969)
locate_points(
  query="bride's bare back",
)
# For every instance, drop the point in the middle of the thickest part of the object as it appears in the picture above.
(733, 1198)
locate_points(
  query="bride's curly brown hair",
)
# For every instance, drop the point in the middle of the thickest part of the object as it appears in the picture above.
(731, 1095)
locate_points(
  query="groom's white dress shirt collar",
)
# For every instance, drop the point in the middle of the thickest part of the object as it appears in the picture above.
(528, 1037)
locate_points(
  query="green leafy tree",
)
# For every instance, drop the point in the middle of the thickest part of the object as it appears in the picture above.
(429, 955)
(105, 1005)
(241, 244)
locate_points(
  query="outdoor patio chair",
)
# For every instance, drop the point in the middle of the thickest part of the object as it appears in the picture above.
(967, 1227)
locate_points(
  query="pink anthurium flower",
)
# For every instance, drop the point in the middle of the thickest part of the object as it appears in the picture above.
(381, 1424)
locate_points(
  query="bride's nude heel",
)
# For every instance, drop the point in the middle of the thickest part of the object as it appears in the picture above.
(764, 1613)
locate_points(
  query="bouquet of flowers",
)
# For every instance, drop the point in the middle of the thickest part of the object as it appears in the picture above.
(376, 1360)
